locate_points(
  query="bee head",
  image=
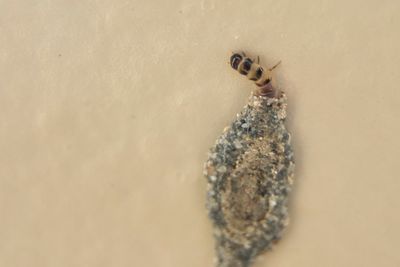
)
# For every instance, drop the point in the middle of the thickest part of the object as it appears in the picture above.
(235, 60)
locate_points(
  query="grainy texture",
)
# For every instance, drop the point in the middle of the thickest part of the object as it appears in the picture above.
(249, 173)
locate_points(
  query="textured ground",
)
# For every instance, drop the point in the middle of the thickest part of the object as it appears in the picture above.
(250, 173)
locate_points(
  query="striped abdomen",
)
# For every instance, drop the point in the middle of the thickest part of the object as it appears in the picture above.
(252, 70)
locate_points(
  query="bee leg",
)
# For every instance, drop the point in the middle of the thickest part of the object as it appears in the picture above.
(256, 60)
(276, 65)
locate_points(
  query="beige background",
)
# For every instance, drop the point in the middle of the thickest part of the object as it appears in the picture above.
(108, 108)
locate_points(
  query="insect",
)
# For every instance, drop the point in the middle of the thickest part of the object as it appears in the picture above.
(249, 173)
(254, 72)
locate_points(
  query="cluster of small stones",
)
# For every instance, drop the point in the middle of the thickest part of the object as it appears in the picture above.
(250, 173)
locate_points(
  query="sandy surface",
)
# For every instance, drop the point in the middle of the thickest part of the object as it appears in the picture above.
(108, 108)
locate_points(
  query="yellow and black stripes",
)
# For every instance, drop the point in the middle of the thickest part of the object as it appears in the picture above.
(252, 70)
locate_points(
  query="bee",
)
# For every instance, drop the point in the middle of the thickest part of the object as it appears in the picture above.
(253, 71)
